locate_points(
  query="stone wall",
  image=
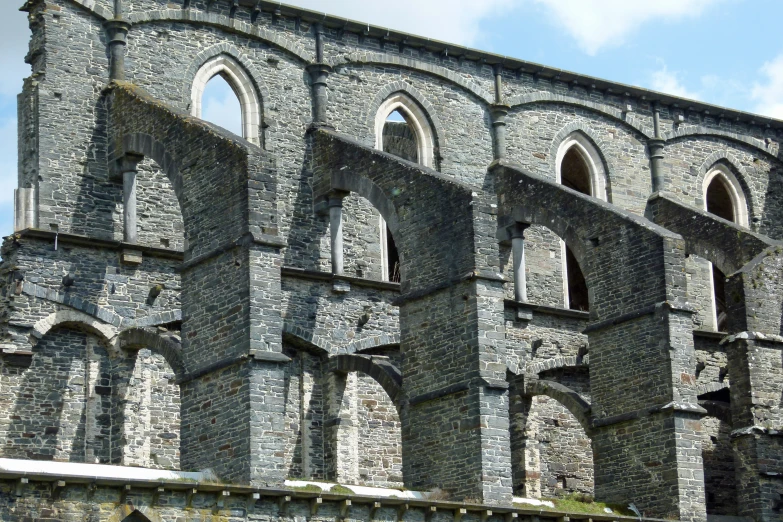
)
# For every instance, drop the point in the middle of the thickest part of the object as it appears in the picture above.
(234, 248)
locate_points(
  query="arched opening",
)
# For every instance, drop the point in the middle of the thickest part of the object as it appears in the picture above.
(60, 408)
(136, 516)
(220, 84)
(574, 172)
(723, 197)
(552, 454)
(576, 169)
(220, 105)
(148, 402)
(402, 129)
(366, 444)
(305, 400)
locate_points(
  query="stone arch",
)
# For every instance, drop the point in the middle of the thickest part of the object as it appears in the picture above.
(370, 191)
(244, 78)
(575, 404)
(710, 387)
(629, 120)
(165, 345)
(426, 124)
(192, 16)
(377, 367)
(368, 343)
(580, 136)
(371, 58)
(141, 513)
(100, 12)
(725, 163)
(307, 340)
(79, 321)
(146, 145)
(561, 361)
(700, 130)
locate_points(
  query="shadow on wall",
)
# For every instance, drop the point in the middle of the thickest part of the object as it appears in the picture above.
(74, 403)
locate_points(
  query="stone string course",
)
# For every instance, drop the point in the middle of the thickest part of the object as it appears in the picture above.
(221, 340)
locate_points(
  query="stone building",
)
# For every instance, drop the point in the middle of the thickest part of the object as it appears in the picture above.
(420, 266)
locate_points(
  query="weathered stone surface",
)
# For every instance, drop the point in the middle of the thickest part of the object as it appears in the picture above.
(221, 338)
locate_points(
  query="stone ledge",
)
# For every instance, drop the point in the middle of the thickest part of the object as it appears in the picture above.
(547, 310)
(317, 275)
(99, 244)
(63, 474)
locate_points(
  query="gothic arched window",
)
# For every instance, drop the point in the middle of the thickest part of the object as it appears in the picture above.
(723, 197)
(240, 83)
(402, 128)
(580, 168)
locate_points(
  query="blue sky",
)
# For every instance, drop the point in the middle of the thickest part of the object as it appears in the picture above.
(726, 52)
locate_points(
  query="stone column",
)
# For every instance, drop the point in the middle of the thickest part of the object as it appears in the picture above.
(117, 30)
(499, 112)
(755, 366)
(128, 166)
(319, 72)
(655, 146)
(336, 229)
(518, 248)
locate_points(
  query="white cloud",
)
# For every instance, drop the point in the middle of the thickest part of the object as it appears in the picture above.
(596, 24)
(455, 21)
(769, 95)
(669, 82)
(221, 106)
(13, 47)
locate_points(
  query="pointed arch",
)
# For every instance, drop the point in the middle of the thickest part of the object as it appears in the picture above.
(420, 115)
(393, 60)
(168, 346)
(131, 513)
(230, 64)
(76, 320)
(723, 167)
(585, 141)
(378, 367)
(627, 119)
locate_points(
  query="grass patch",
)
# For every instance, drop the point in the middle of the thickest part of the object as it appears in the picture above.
(341, 490)
(312, 488)
(581, 503)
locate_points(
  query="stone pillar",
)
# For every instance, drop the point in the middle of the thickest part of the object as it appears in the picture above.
(456, 433)
(341, 428)
(646, 426)
(655, 146)
(117, 30)
(518, 250)
(319, 72)
(499, 112)
(25, 215)
(755, 370)
(336, 229)
(128, 166)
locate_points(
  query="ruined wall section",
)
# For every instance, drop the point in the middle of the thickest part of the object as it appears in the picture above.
(689, 158)
(150, 415)
(75, 193)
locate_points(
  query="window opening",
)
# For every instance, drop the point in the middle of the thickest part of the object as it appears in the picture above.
(575, 174)
(228, 77)
(399, 138)
(220, 105)
(577, 287)
(719, 201)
